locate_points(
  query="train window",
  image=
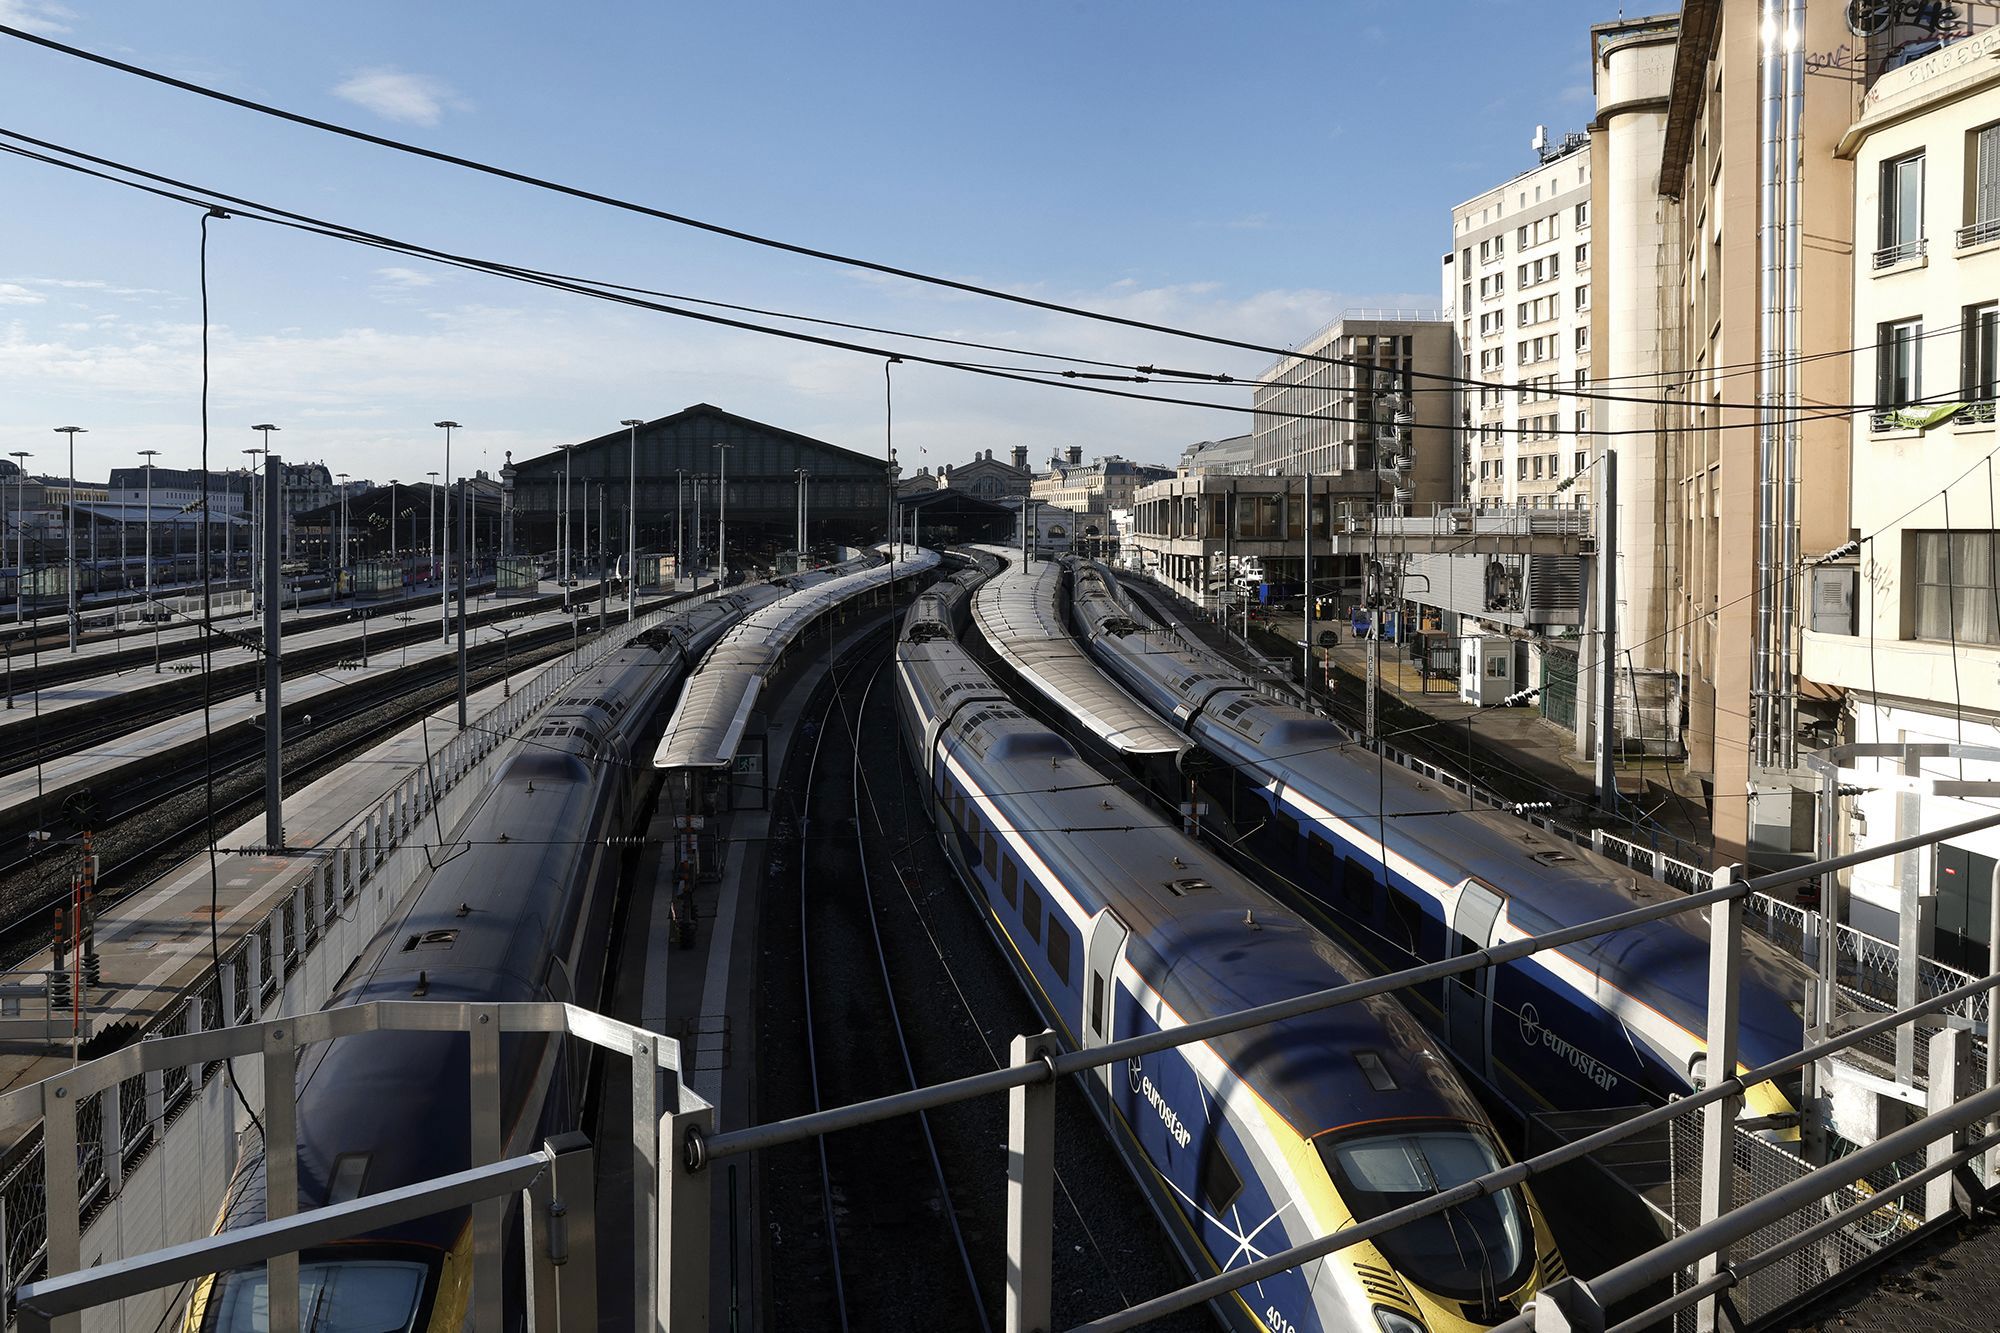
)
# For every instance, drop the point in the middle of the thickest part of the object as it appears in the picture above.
(989, 852)
(1319, 860)
(1097, 1005)
(1059, 949)
(1409, 918)
(1219, 1182)
(1357, 887)
(1031, 911)
(1009, 878)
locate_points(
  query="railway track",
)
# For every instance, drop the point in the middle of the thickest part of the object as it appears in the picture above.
(960, 1006)
(158, 819)
(49, 665)
(80, 726)
(868, 1212)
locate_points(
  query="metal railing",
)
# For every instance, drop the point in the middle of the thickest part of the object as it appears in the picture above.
(557, 1178)
(1038, 1063)
(1975, 414)
(679, 1147)
(1977, 233)
(253, 968)
(1889, 256)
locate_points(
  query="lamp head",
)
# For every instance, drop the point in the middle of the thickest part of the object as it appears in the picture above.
(631, 421)
(267, 426)
(447, 425)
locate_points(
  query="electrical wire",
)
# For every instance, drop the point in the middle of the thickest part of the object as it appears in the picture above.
(227, 1016)
(251, 210)
(747, 237)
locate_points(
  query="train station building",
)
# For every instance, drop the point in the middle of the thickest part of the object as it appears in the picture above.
(683, 462)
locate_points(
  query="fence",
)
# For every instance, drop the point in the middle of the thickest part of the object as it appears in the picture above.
(326, 903)
(684, 1149)
(556, 1180)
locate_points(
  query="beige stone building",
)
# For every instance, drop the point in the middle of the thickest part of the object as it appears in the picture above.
(1094, 488)
(1909, 629)
(1709, 174)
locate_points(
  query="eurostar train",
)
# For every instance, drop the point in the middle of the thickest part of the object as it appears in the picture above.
(1247, 1144)
(522, 913)
(1619, 1019)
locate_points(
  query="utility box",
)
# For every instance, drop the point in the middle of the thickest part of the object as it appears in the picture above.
(1485, 669)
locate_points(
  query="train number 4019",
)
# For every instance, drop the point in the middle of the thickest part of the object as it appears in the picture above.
(1276, 1322)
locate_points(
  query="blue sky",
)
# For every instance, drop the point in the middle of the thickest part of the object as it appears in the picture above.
(1249, 169)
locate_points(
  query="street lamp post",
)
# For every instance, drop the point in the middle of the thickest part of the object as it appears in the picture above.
(265, 430)
(680, 566)
(722, 518)
(149, 455)
(444, 594)
(562, 523)
(340, 561)
(800, 543)
(256, 505)
(632, 424)
(21, 533)
(434, 518)
(69, 524)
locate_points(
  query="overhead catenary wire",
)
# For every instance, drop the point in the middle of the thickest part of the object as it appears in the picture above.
(246, 209)
(745, 236)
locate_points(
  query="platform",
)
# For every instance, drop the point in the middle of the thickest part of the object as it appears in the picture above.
(22, 790)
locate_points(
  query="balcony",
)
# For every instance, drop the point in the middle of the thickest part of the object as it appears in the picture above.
(1903, 252)
(1974, 414)
(1978, 233)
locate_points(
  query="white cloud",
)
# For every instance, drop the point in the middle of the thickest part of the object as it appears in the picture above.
(13, 293)
(405, 277)
(414, 99)
(41, 16)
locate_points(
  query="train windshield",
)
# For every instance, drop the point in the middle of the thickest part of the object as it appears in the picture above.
(350, 1296)
(1476, 1251)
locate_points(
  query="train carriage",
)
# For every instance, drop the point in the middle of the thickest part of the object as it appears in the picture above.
(1248, 1143)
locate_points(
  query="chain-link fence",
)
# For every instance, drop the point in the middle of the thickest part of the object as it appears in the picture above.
(1762, 1167)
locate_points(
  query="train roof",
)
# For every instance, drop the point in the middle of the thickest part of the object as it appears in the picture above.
(1210, 942)
(715, 706)
(1019, 611)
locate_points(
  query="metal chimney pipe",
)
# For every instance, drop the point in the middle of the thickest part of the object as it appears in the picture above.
(1784, 724)
(1768, 372)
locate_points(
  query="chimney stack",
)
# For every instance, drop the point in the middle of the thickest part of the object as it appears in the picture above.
(1021, 457)
(1076, 454)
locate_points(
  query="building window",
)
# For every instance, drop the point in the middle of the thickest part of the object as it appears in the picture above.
(1898, 367)
(1982, 181)
(1583, 297)
(1953, 586)
(1582, 215)
(1582, 460)
(1523, 465)
(1900, 235)
(1978, 373)
(1583, 339)
(1582, 257)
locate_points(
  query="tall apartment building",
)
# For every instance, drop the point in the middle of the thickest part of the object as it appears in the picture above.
(1708, 172)
(1518, 281)
(1910, 628)
(1326, 417)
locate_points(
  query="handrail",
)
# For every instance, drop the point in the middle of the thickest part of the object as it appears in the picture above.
(796, 1128)
(41, 1303)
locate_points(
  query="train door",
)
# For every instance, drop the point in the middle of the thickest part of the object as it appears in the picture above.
(1468, 997)
(1107, 942)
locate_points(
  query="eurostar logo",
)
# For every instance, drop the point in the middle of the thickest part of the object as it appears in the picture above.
(1531, 1025)
(1133, 1075)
